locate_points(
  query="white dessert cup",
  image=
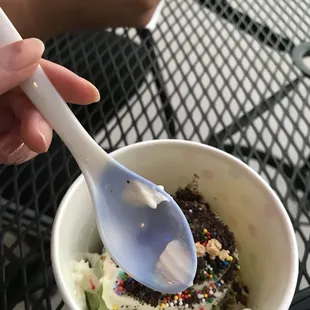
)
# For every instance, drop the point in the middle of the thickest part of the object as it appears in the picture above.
(245, 202)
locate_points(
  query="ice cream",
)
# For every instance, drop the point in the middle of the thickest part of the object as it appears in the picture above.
(140, 194)
(171, 263)
(216, 286)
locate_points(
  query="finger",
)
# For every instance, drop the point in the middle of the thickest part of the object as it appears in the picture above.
(72, 88)
(18, 61)
(13, 150)
(7, 119)
(35, 132)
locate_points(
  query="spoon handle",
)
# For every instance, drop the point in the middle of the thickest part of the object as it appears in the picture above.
(48, 101)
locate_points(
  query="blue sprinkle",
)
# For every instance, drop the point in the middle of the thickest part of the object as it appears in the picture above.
(214, 234)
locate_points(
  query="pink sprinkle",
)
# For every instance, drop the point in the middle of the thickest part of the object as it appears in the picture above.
(92, 285)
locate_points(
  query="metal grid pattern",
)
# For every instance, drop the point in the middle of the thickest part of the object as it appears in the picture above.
(215, 71)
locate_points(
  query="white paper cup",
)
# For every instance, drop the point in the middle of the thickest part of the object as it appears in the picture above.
(265, 237)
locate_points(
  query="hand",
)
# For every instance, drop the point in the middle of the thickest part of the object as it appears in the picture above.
(44, 19)
(24, 133)
(111, 13)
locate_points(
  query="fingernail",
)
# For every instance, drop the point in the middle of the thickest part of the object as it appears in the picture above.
(20, 155)
(21, 54)
(13, 150)
(43, 129)
(97, 94)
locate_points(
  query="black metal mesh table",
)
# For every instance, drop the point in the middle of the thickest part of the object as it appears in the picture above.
(221, 72)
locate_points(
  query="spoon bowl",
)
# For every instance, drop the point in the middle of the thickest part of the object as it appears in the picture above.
(137, 231)
(141, 226)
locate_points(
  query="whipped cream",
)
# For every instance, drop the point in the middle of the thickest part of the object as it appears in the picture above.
(109, 275)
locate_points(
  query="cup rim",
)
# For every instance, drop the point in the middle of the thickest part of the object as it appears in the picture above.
(292, 242)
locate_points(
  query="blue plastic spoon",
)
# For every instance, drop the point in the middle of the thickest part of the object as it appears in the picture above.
(140, 225)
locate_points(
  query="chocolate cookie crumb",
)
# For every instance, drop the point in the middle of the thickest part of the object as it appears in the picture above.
(214, 273)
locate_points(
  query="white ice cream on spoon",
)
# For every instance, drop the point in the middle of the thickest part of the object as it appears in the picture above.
(140, 194)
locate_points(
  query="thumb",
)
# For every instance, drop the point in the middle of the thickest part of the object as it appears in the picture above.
(17, 62)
